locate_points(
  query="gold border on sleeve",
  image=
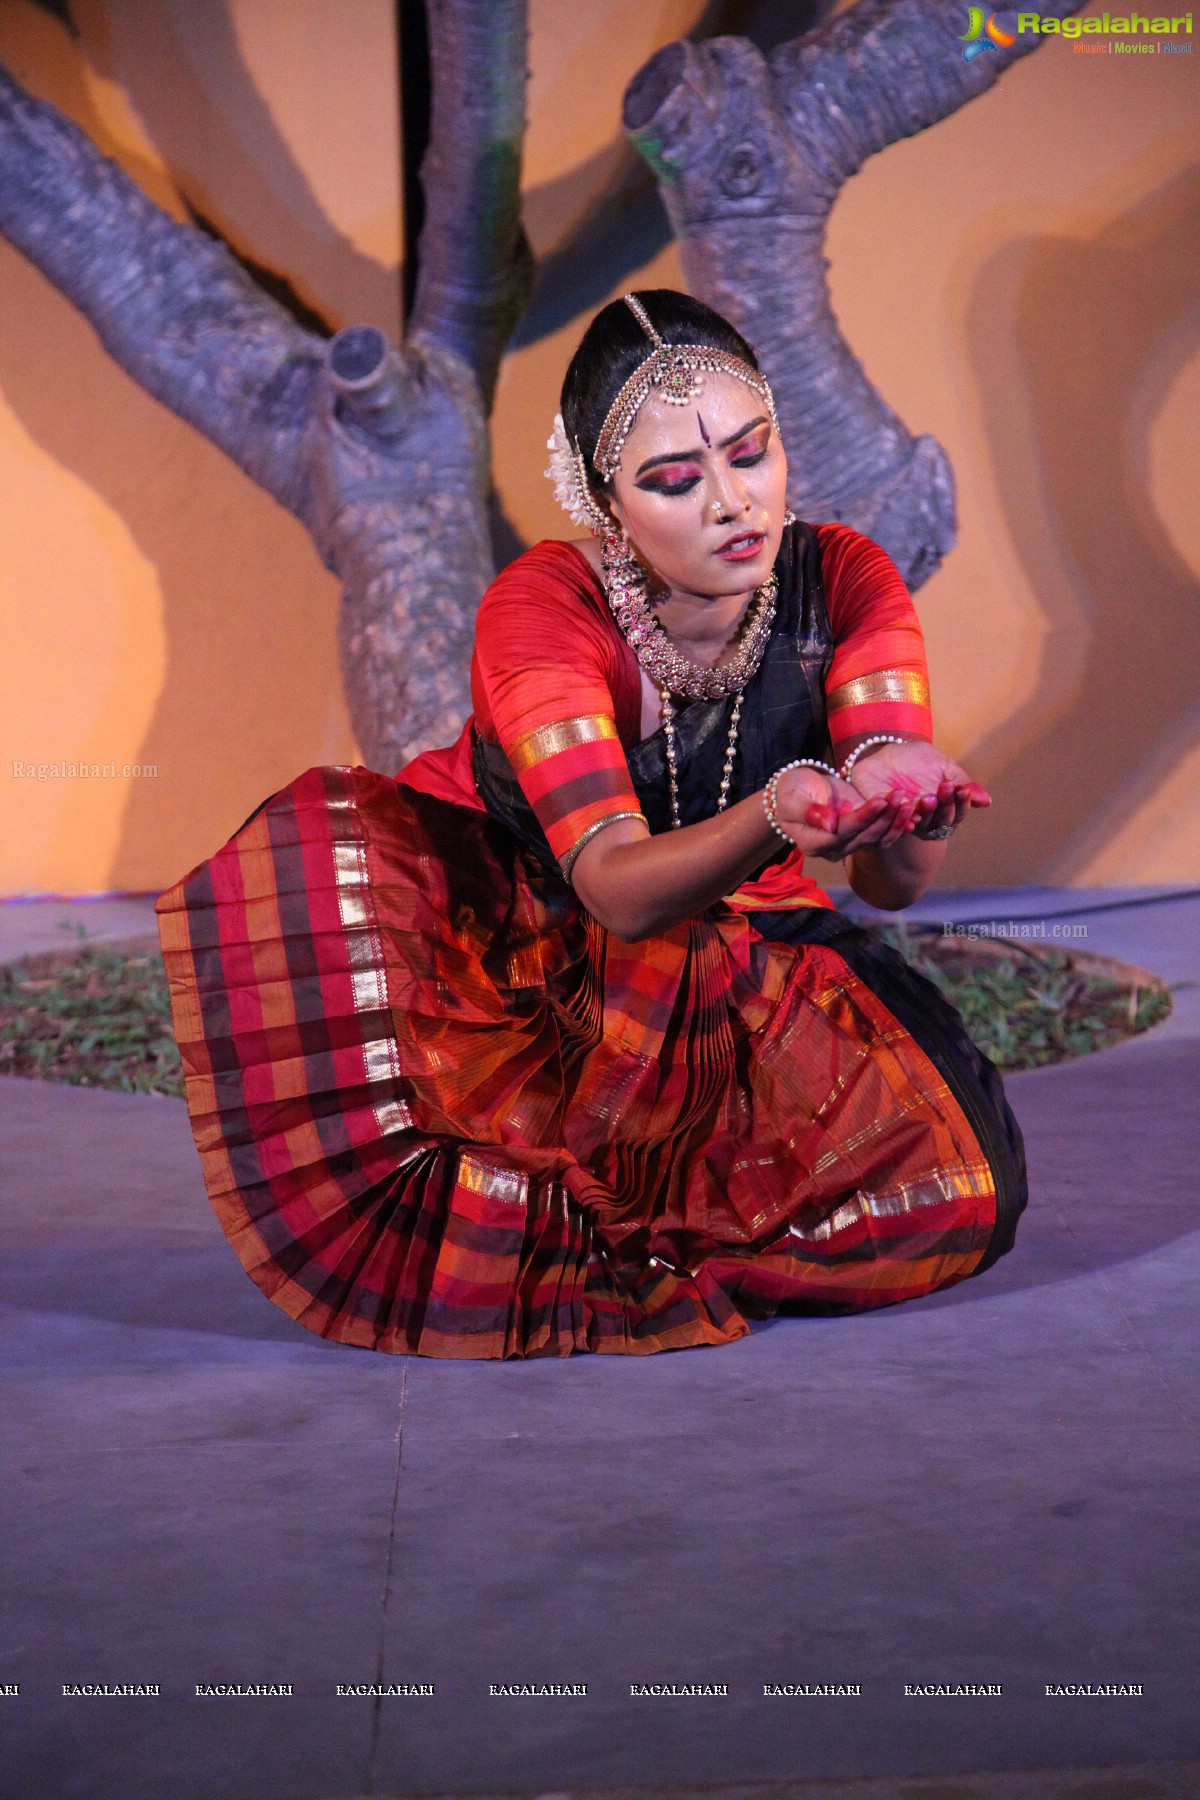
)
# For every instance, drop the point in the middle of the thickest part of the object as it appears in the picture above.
(560, 735)
(881, 685)
(567, 861)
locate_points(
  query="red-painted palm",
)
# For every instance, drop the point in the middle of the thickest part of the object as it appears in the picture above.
(929, 785)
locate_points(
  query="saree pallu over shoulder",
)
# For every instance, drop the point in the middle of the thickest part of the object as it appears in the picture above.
(440, 1111)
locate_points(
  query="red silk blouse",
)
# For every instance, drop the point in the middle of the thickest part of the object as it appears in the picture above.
(556, 685)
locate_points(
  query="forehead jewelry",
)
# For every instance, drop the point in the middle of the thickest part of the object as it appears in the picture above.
(678, 372)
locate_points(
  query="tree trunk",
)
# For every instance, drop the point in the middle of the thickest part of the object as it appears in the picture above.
(383, 452)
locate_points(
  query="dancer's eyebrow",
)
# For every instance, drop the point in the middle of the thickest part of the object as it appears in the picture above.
(652, 462)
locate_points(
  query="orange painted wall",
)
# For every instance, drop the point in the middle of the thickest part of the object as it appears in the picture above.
(1021, 281)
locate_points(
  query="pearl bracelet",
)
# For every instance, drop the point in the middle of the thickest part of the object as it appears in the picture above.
(867, 744)
(769, 792)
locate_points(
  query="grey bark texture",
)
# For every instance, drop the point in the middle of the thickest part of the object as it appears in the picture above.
(750, 153)
(383, 452)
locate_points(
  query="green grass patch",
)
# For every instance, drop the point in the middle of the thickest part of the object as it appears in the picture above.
(97, 1017)
(1026, 1007)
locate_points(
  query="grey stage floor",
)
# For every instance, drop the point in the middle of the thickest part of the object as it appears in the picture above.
(993, 1486)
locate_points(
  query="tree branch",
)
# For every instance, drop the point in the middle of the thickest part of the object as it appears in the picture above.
(476, 269)
(381, 452)
(749, 206)
(169, 304)
(884, 71)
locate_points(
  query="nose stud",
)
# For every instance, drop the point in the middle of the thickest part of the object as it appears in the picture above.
(719, 512)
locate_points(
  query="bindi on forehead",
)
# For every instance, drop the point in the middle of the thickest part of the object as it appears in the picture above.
(655, 434)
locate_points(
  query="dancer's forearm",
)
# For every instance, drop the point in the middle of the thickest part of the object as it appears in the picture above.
(893, 876)
(636, 884)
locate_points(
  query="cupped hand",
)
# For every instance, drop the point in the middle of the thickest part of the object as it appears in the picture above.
(934, 789)
(827, 817)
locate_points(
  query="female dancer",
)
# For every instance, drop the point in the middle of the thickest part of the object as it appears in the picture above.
(549, 1043)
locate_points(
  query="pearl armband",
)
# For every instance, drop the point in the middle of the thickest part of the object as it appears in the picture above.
(769, 792)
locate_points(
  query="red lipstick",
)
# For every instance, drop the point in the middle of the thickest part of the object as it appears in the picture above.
(743, 547)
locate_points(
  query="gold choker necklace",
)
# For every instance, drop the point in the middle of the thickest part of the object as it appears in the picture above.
(626, 588)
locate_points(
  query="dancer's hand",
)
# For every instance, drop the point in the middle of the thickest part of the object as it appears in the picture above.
(829, 818)
(933, 790)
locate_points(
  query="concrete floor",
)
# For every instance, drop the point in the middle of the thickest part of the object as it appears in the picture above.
(995, 1485)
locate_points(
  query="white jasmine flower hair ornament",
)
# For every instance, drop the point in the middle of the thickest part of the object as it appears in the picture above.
(569, 475)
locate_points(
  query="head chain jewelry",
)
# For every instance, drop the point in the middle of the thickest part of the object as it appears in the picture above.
(677, 371)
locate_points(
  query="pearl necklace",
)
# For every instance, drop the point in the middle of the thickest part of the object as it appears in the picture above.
(625, 586)
(668, 719)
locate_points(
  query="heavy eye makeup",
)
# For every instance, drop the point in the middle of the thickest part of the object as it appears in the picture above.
(681, 477)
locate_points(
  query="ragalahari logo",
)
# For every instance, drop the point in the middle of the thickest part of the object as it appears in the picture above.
(980, 35)
(1120, 32)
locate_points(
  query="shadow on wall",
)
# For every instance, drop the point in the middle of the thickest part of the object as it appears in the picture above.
(246, 181)
(625, 226)
(1077, 342)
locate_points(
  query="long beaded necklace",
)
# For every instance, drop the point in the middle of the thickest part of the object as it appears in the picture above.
(668, 721)
(625, 585)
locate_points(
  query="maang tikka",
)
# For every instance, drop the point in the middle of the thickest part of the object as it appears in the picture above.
(677, 371)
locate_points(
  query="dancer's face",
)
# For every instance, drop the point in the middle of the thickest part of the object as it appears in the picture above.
(701, 490)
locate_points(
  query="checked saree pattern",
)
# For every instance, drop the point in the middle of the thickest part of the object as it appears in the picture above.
(441, 1111)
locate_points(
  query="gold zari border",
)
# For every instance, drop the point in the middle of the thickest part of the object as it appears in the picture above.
(881, 685)
(953, 1183)
(368, 980)
(509, 1185)
(562, 734)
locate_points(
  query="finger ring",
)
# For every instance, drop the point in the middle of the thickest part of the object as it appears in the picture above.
(934, 837)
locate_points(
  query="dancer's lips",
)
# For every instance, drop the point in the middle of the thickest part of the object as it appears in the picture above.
(742, 547)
